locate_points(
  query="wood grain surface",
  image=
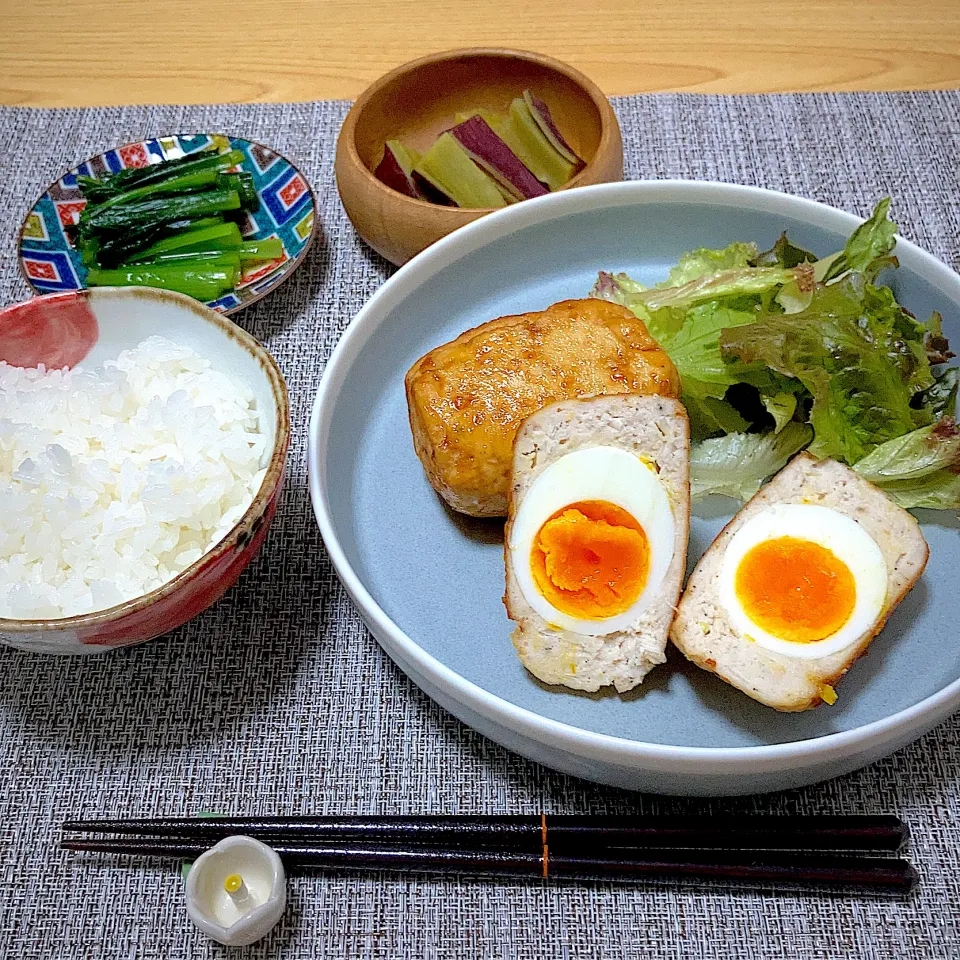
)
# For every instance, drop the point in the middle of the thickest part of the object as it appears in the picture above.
(81, 52)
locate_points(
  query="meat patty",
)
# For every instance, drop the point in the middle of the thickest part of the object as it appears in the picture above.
(467, 398)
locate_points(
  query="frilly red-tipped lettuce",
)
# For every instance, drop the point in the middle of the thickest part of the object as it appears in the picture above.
(687, 321)
(941, 398)
(766, 342)
(783, 254)
(869, 246)
(706, 262)
(858, 354)
(699, 283)
(741, 282)
(919, 469)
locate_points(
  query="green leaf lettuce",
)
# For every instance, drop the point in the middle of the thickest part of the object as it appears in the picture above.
(857, 352)
(919, 469)
(737, 465)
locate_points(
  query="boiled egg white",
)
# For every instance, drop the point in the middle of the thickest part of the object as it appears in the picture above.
(803, 580)
(592, 540)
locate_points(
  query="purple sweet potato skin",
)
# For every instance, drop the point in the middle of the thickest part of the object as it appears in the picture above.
(392, 174)
(541, 113)
(490, 153)
(429, 192)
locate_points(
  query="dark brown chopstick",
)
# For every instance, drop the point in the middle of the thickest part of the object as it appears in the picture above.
(561, 833)
(884, 874)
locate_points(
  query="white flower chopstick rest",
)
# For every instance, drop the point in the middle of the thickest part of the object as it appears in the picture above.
(236, 891)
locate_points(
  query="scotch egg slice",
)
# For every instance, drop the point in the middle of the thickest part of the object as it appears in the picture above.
(803, 580)
(593, 540)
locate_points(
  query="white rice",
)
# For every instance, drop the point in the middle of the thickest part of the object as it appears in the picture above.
(114, 479)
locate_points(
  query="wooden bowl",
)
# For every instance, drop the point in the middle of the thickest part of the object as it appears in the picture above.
(419, 100)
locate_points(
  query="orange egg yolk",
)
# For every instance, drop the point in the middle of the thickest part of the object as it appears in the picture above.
(795, 589)
(591, 560)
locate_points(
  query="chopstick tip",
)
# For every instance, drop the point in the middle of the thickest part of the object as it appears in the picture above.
(904, 833)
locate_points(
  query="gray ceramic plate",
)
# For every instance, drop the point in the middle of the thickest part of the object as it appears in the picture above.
(428, 582)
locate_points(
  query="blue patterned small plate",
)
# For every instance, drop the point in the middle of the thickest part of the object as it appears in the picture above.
(287, 210)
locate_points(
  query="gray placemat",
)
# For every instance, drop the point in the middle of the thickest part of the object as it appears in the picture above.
(278, 700)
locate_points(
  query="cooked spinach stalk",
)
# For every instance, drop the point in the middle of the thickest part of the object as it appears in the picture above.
(198, 277)
(161, 210)
(172, 225)
(218, 236)
(98, 190)
(269, 249)
(186, 183)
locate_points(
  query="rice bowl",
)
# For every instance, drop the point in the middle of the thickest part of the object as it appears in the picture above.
(189, 465)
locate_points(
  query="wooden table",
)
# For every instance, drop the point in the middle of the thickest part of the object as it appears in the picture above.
(88, 52)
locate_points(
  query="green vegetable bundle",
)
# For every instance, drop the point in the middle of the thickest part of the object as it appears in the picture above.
(172, 225)
(782, 350)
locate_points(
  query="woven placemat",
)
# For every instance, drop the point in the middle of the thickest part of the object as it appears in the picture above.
(278, 700)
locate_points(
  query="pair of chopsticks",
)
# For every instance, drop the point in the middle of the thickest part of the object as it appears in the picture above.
(832, 851)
